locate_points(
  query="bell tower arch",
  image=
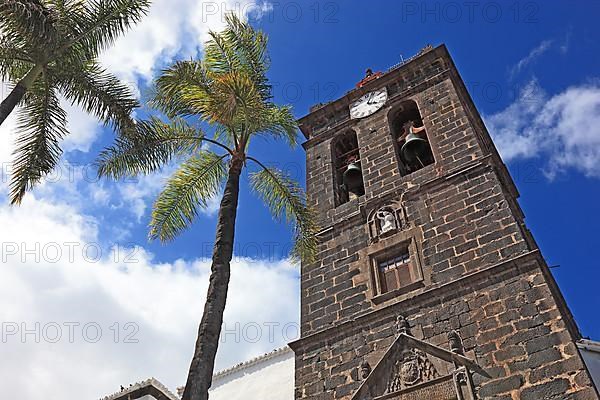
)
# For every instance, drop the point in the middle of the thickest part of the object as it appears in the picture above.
(412, 144)
(348, 179)
(428, 283)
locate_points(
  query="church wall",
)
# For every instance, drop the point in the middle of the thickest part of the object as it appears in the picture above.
(466, 226)
(474, 265)
(508, 320)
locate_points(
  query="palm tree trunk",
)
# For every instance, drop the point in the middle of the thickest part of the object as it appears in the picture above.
(16, 95)
(9, 104)
(201, 369)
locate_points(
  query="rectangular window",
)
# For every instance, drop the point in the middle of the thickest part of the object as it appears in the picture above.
(395, 265)
(394, 270)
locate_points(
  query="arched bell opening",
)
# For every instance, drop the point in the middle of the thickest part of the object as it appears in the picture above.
(348, 178)
(410, 138)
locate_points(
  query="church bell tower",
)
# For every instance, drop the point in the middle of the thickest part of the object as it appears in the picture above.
(428, 284)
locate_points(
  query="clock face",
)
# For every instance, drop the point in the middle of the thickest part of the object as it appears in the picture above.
(368, 104)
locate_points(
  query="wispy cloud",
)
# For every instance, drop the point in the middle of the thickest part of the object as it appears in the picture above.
(533, 55)
(566, 43)
(564, 128)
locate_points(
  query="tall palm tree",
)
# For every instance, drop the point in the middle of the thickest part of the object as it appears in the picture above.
(49, 48)
(227, 90)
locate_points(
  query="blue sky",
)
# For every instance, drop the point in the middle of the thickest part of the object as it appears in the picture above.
(531, 68)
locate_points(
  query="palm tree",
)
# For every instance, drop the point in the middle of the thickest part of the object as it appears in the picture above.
(49, 48)
(227, 90)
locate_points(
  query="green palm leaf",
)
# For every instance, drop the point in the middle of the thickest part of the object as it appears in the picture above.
(182, 77)
(287, 201)
(13, 60)
(101, 22)
(153, 145)
(42, 125)
(278, 122)
(48, 48)
(99, 93)
(195, 183)
(250, 51)
(27, 21)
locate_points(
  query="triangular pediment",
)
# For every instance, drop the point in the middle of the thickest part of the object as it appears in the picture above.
(411, 365)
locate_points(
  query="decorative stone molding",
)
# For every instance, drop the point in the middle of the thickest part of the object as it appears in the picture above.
(364, 369)
(413, 367)
(386, 220)
(410, 239)
(406, 370)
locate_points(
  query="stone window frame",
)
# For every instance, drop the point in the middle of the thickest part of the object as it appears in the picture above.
(387, 246)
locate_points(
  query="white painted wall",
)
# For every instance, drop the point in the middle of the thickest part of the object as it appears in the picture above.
(267, 379)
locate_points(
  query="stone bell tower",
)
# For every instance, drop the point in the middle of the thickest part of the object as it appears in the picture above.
(428, 283)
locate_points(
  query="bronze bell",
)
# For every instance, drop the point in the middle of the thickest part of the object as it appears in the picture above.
(353, 178)
(415, 150)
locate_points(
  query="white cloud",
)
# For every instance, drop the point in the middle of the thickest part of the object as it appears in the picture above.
(566, 43)
(533, 55)
(7, 136)
(100, 196)
(83, 128)
(212, 206)
(172, 27)
(50, 277)
(564, 128)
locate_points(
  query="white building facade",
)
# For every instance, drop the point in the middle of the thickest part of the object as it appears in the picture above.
(269, 377)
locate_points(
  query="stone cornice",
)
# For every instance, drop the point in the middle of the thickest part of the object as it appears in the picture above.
(518, 264)
(347, 123)
(343, 218)
(422, 57)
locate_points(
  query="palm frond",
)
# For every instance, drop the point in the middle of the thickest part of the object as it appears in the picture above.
(250, 51)
(197, 181)
(219, 55)
(189, 88)
(69, 14)
(278, 122)
(183, 76)
(153, 145)
(41, 125)
(65, 9)
(235, 97)
(287, 201)
(14, 62)
(99, 93)
(101, 22)
(27, 21)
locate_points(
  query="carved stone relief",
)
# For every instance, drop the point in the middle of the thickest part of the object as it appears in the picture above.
(386, 220)
(413, 369)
